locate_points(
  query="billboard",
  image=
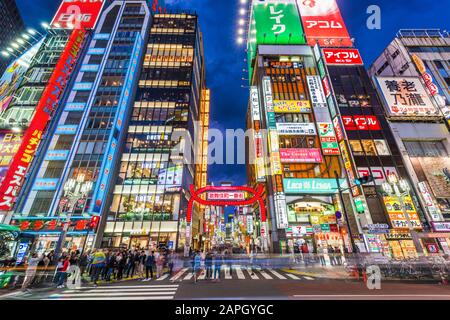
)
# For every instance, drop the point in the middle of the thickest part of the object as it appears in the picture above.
(277, 22)
(77, 14)
(380, 174)
(328, 140)
(13, 75)
(342, 57)
(352, 123)
(397, 213)
(405, 97)
(289, 129)
(301, 155)
(15, 176)
(292, 106)
(323, 23)
(9, 145)
(312, 186)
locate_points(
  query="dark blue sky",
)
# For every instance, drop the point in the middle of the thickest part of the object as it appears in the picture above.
(224, 58)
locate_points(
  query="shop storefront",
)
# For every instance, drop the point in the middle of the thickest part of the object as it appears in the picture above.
(401, 245)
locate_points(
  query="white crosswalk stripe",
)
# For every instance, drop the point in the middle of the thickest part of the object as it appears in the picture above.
(164, 276)
(189, 276)
(239, 273)
(253, 274)
(292, 276)
(265, 275)
(137, 292)
(279, 276)
(179, 274)
(227, 272)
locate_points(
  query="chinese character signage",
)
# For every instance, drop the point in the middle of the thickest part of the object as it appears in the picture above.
(289, 129)
(236, 195)
(328, 140)
(352, 123)
(298, 155)
(397, 213)
(406, 97)
(43, 225)
(77, 14)
(281, 211)
(9, 145)
(291, 106)
(342, 57)
(15, 176)
(318, 98)
(277, 22)
(323, 23)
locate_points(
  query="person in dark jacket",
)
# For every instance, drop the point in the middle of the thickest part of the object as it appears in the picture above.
(121, 261)
(82, 263)
(208, 265)
(149, 262)
(111, 265)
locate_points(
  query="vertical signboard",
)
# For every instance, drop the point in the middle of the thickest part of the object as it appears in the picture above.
(9, 145)
(323, 23)
(258, 138)
(15, 176)
(105, 175)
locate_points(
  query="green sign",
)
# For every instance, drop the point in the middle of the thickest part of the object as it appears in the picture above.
(321, 68)
(312, 186)
(330, 145)
(360, 208)
(278, 23)
(272, 120)
(325, 227)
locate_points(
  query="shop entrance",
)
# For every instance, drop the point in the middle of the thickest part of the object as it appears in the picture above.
(227, 196)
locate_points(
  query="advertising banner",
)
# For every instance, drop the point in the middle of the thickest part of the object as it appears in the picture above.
(316, 91)
(349, 167)
(220, 195)
(406, 97)
(291, 106)
(13, 181)
(305, 129)
(312, 186)
(77, 14)
(352, 123)
(45, 184)
(9, 146)
(281, 211)
(379, 174)
(254, 98)
(430, 203)
(328, 139)
(277, 22)
(350, 57)
(43, 225)
(397, 214)
(298, 155)
(323, 23)
(441, 226)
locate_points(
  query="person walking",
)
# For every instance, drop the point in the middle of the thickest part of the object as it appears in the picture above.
(229, 262)
(130, 264)
(197, 266)
(159, 265)
(30, 273)
(330, 252)
(83, 263)
(170, 262)
(120, 265)
(305, 253)
(98, 263)
(218, 261)
(320, 253)
(149, 266)
(111, 264)
(141, 268)
(338, 255)
(61, 274)
(208, 265)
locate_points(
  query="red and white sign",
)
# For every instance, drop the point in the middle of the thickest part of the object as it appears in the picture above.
(323, 23)
(326, 87)
(342, 57)
(352, 123)
(379, 174)
(441, 226)
(338, 129)
(77, 14)
(301, 156)
(226, 195)
(15, 176)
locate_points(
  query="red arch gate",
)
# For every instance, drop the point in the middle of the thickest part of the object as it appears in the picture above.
(255, 198)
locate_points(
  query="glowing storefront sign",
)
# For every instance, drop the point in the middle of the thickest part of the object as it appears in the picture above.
(292, 106)
(397, 214)
(77, 14)
(15, 176)
(323, 23)
(311, 186)
(9, 145)
(361, 123)
(342, 57)
(287, 129)
(298, 155)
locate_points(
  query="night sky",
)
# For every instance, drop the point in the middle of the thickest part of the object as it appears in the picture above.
(225, 58)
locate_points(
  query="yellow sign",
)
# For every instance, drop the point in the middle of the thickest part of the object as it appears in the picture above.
(275, 162)
(419, 63)
(397, 214)
(291, 106)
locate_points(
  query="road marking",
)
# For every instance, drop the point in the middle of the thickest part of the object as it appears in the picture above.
(126, 290)
(131, 287)
(279, 276)
(179, 274)
(239, 273)
(372, 296)
(163, 277)
(308, 278)
(292, 276)
(189, 276)
(115, 298)
(113, 294)
(227, 271)
(252, 274)
(265, 275)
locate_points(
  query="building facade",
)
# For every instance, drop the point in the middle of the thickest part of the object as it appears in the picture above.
(413, 75)
(11, 28)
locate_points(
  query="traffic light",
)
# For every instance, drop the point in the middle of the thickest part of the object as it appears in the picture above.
(363, 180)
(94, 222)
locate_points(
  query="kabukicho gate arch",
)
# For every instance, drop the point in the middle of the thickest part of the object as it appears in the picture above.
(256, 196)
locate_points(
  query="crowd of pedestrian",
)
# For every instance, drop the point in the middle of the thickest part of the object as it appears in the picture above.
(210, 263)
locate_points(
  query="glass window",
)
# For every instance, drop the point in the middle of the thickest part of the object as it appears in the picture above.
(382, 147)
(357, 148)
(369, 147)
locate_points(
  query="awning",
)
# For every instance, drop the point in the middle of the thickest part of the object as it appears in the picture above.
(7, 227)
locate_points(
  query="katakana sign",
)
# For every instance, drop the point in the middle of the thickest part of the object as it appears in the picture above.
(406, 97)
(342, 57)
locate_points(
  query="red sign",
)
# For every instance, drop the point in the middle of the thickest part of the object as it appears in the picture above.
(326, 87)
(47, 104)
(77, 14)
(301, 156)
(361, 123)
(342, 57)
(338, 129)
(45, 225)
(323, 23)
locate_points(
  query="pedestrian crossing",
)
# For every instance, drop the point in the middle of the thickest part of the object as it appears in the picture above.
(136, 292)
(237, 273)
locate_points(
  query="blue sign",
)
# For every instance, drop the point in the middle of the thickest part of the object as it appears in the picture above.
(66, 129)
(57, 155)
(23, 246)
(83, 86)
(90, 68)
(105, 175)
(75, 106)
(45, 184)
(102, 36)
(96, 51)
(170, 245)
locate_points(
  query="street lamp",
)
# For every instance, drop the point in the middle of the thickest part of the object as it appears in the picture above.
(400, 188)
(74, 190)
